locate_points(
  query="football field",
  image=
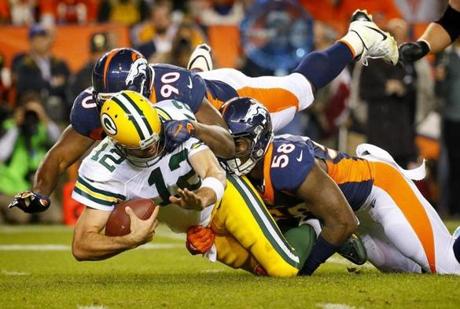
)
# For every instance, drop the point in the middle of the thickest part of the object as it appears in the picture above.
(37, 270)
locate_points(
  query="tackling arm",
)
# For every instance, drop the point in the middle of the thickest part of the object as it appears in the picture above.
(326, 201)
(69, 148)
(212, 130)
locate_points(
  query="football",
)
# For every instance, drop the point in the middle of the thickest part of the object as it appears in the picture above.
(118, 223)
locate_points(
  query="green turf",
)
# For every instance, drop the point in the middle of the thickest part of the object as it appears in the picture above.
(171, 278)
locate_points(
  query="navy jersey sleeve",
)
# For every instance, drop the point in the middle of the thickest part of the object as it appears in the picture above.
(176, 83)
(84, 116)
(292, 161)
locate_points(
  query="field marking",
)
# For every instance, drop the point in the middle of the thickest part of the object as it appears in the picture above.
(208, 271)
(334, 306)
(92, 307)
(57, 247)
(14, 273)
(162, 230)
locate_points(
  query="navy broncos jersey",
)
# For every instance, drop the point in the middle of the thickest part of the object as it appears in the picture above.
(288, 162)
(169, 82)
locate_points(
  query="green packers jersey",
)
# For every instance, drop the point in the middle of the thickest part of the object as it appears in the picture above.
(106, 177)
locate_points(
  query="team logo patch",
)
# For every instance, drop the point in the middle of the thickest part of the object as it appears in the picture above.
(109, 125)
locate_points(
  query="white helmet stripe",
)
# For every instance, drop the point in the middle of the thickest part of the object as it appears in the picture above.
(138, 117)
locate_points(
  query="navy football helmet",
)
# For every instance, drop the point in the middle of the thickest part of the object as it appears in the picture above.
(247, 119)
(121, 69)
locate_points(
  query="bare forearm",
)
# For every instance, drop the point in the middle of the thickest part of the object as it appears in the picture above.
(93, 246)
(47, 175)
(437, 37)
(217, 138)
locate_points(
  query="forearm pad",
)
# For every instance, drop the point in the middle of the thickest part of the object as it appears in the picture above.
(450, 21)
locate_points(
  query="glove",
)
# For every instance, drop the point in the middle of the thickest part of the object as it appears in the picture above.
(137, 76)
(199, 239)
(177, 132)
(30, 202)
(413, 51)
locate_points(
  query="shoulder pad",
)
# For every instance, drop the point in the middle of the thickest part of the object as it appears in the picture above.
(174, 110)
(172, 82)
(84, 116)
(291, 162)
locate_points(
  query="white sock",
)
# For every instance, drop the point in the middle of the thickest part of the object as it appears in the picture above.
(354, 42)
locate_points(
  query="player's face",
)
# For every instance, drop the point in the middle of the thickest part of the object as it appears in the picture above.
(149, 152)
(242, 148)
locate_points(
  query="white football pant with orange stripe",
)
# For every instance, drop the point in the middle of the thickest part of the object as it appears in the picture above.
(401, 230)
(283, 96)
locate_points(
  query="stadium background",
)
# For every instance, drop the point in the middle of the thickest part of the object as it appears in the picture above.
(411, 111)
(401, 111)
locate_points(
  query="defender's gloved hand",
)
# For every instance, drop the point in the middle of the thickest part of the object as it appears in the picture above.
(30, 202)
(177, 132)
(413, 51)
(199, 239)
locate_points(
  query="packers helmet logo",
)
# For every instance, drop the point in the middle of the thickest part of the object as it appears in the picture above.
(109, 125)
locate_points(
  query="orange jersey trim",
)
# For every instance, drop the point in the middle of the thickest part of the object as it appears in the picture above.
(268, 195)
(106, 66)
(350, 170)
(390, 180)
(274, 99)
(214, 101)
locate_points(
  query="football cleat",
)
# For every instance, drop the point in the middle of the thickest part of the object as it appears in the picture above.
(376, 42)
(353, 250)
(201, 59)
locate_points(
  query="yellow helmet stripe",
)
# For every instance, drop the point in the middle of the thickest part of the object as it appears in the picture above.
(149, 128)
(134, 117)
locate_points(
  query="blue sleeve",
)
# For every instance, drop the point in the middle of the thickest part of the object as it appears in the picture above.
(175, 83)
(290, 169)
(84, 116)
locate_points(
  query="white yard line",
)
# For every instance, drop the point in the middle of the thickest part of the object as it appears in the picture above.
(334, 306)
(58, 247)
(92, 307)
(13, 273)
(162, 230)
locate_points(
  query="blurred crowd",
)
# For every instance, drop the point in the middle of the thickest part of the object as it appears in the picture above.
(411, 110)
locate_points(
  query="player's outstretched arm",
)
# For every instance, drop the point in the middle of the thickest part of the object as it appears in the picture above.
(213, 185)
(68, 149)
(326, 201)
(90, 244)
(437, 36)
(213, 131)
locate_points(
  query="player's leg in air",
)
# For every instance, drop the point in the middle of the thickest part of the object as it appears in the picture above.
(402, 231)
(284, 96)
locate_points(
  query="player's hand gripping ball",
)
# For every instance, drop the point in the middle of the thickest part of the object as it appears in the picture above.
(118, 223)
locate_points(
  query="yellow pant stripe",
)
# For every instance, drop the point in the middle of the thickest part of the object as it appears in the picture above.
(265, 221)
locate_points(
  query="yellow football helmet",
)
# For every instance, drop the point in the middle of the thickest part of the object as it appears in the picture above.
(132, 123)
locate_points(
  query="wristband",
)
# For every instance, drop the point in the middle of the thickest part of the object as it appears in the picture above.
(215, 185)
